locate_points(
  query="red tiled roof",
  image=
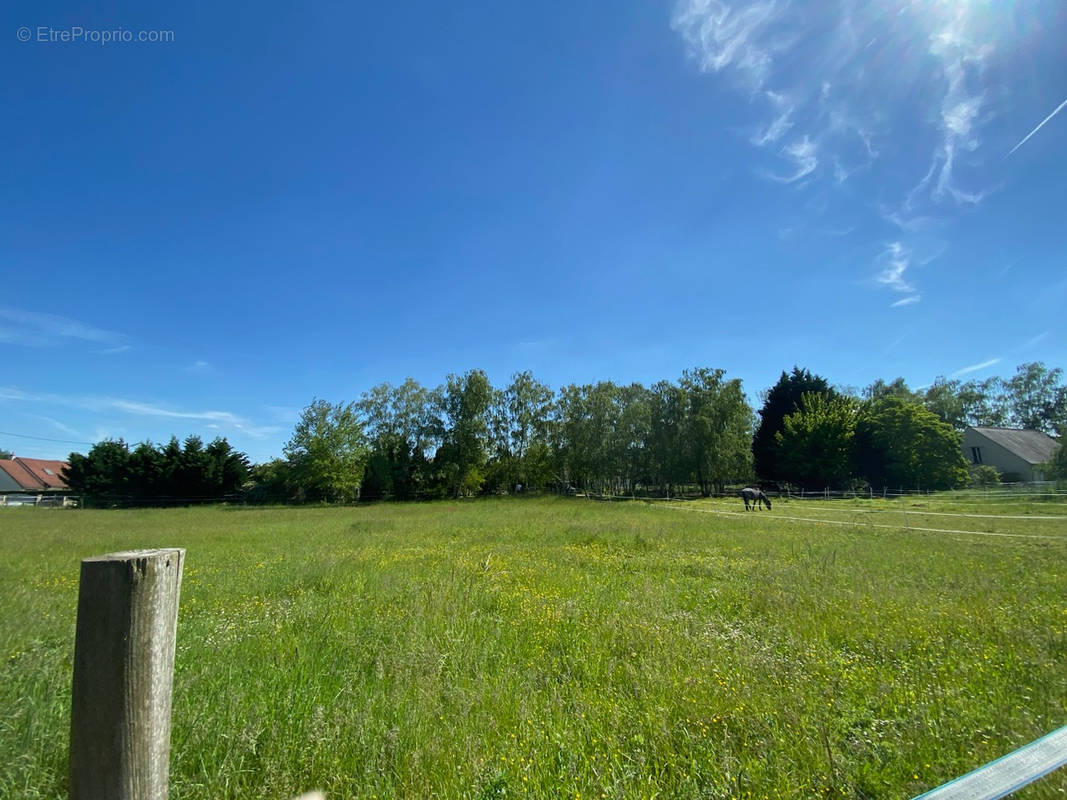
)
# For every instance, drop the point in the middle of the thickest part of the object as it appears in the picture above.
(23, 477)
(48, 473)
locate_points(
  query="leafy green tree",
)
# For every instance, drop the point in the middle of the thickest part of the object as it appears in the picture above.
(780, 401)
(669, 460)
(1036, 398)
(632, 427)
(1057, 466)
(983, 475)
(6, 455)
(985, 403)
(592, 448)
(463, 403)
(942, 397)
(816, 443)
(573, 442)
(271, 482)
(607, 454)
(401, 427)
(717, 429)
(897, 388)
(1033, 398)
(901, 444)
(328, 452)
(519, 420)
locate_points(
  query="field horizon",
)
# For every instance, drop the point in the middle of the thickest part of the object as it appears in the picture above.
(560, 647)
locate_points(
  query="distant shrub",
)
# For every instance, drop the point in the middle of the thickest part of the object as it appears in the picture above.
(1056, 469)
(984, 475)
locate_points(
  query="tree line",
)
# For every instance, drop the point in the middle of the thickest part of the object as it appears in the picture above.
(113, 474)
(467, 437)
(696, 433)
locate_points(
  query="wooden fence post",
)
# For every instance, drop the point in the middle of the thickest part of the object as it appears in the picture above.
(123, 674)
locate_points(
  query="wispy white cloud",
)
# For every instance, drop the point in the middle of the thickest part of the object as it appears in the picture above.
(845, 123)
(286, 414)
(1033, 340)
(753, 40)
(60, 426)
(844, 93)
(1040, 125)
(199, 367)
(975, 367)
(895, 343)
(721, 36)
(804, 154)
(11, 394)
(841, 173)
(908, 223)
(906, 301)
(774, 131)
(959, 115)
(103, 404)
(223, 418)
(37, 329)
(896, 259)
(833, 97)
(780, 124)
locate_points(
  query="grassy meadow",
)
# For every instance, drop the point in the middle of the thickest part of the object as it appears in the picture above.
(565, 648)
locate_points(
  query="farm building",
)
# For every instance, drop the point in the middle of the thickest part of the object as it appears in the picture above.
(33, 481)
(1016, 454)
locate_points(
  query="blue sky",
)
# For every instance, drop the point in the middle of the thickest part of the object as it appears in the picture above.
(294, 201)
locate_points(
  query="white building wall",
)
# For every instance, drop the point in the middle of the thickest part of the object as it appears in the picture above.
(995, 455)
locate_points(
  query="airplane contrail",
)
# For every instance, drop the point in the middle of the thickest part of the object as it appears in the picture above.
(1059, 108)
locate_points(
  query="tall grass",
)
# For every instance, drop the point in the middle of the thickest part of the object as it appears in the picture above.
(555, 648)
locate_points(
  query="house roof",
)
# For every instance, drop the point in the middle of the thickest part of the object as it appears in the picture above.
(47, 472)
(35, 473)
(22, 476)
(1034, 447)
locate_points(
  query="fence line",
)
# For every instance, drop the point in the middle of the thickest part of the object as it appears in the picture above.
(827, 509)
(844, 494)
(49, 498)
(937, 513)
(955, 494)
(869, 524)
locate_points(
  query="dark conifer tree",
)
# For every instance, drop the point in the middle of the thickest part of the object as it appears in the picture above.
(782, 400)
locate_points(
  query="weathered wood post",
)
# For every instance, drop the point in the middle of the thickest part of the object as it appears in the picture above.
(123, 672)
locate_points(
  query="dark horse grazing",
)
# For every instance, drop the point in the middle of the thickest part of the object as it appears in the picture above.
(756, 497)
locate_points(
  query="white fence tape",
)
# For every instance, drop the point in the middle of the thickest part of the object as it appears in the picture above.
(1008, 773)
(902, 527)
